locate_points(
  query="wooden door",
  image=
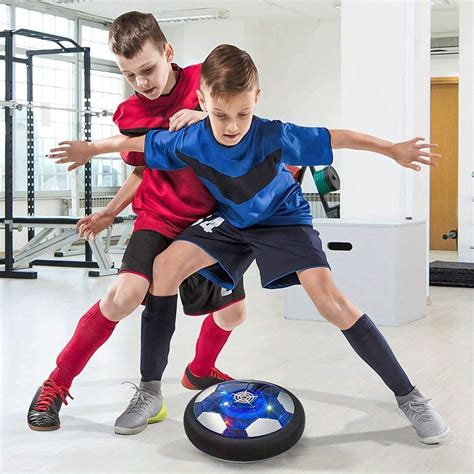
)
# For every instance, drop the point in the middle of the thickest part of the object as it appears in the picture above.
(444, 177)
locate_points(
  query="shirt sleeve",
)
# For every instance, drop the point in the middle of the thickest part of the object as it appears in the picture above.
(306, 146)
(161, 148)
(133, 158)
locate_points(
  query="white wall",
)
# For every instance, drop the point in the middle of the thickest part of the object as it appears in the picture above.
(298, 63)
(444, 66)
(385, 92)
(466, 134)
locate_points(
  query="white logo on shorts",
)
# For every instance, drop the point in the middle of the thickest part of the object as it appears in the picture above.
(225, 292)
(209, 225)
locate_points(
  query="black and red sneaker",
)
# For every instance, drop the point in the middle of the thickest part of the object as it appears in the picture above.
(193, 382)
(43, 414)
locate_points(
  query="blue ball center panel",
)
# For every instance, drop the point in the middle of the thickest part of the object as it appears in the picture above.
(244, 409)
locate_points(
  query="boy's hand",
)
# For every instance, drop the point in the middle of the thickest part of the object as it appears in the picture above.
(406, 153)
(90, 226)
(185, 117)
(76, 152)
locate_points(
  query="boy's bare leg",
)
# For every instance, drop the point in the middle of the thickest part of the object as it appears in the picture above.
(171, 268)
(92, 331)
(371, 346)
(124, 296)
(180, 260)
(328, 299)
(231, 317)
(157, 327)
(158, 323)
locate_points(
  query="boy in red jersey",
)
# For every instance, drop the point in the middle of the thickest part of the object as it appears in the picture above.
(166, 203)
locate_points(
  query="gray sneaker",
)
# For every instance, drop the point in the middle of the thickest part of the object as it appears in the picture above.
(146, 406)
(429, 426)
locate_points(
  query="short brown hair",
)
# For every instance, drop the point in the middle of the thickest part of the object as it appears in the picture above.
(129, 32)
(228, 70)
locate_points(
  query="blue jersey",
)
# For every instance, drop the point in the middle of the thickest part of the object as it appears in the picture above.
(248, 180)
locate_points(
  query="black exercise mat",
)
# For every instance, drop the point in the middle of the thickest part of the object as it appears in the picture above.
(452, 274)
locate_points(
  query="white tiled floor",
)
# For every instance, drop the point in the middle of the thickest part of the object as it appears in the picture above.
(443, 255)
(351, 421)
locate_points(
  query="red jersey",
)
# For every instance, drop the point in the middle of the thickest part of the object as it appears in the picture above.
(166, 201)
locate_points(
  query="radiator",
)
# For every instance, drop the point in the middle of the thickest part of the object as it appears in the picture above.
(98, 202)
(317, 209)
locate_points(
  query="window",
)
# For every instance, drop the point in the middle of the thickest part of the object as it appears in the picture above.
(53, 84)
(58, 81)
(4, 17)
(35, 20)
(97, 40)
(106, 94)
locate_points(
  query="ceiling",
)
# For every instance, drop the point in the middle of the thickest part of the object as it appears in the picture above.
(444, 12)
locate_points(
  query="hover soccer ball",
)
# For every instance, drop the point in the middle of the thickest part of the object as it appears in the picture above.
(244, 421)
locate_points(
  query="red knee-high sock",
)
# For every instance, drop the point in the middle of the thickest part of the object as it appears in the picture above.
(92, 330)
(211, 340)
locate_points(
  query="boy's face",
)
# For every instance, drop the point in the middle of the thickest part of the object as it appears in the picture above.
(230, 116)
(148, 72)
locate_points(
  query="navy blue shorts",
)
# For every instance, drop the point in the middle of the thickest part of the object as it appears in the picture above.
(280, 251)
(198, 295)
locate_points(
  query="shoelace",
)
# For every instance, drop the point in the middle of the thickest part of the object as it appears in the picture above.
(217, 374)
(419, 409)
(49, 391)
(140, 399)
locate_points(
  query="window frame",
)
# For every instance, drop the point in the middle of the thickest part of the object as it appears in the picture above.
(97, 64)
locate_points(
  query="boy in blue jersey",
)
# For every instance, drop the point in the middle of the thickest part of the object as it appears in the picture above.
(241, 159)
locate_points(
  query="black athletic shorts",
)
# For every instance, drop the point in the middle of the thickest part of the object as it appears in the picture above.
(198, 294)
(280, 251)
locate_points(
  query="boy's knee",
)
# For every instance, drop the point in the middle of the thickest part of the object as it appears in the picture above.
(120, 302)
(328, 303)
(165, 266)
(231, 317)
(336, 308)
(166, 272)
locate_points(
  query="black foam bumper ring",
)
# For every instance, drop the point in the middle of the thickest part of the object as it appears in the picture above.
(244, 420)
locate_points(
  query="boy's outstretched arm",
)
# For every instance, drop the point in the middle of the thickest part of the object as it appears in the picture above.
(80, 152)
(89, 226)
(406, 154)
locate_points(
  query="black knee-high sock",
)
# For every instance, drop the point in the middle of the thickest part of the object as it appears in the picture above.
(372, 347)
(158, 324)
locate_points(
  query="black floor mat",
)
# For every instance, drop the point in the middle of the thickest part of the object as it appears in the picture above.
(452, 274)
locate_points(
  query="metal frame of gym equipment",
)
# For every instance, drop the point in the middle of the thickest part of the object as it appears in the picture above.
(9, 222)
(56, 233)
(119, 247)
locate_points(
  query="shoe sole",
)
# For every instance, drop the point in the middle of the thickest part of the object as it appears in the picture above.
(44, 428)
(161, 416)
(434, 439)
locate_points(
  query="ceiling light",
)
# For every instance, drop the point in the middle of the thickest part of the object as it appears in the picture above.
(198, 14)
(175, 16)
